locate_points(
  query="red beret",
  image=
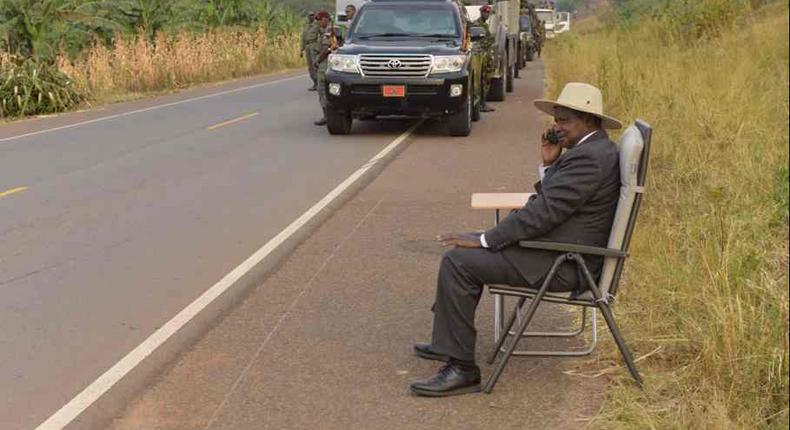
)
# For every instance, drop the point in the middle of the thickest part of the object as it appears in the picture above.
(321, 15)
(485, 8)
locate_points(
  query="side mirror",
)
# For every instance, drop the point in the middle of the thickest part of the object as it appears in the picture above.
(477, 33)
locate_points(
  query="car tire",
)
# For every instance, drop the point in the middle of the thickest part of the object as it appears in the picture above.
(511, 74)
(338, 122)
(499, 85)
(460, 124)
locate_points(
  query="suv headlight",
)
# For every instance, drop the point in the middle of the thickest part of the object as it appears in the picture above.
(343, 63)
(448, 63)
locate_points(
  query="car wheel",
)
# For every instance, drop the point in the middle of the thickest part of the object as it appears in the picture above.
(460, 123)
(338, 122)
(499, 85)
(511, 73)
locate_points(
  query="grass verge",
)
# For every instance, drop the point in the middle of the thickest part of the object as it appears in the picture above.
(135, 65)
(706, 291)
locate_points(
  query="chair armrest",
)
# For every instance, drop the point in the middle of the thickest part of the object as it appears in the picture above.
(499, 200)
(572, 247)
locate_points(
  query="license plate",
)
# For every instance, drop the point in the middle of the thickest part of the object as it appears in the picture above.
(393, 90)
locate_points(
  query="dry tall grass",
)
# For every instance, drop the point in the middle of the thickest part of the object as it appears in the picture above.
(707, 287)
(134, 65)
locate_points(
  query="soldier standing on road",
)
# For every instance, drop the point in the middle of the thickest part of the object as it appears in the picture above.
(326, 41)
(309, 47)
(541, 36)
(487, 50)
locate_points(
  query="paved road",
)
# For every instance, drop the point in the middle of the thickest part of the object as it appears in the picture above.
(110, 227)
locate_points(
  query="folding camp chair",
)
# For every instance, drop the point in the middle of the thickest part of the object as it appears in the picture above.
(634, 148)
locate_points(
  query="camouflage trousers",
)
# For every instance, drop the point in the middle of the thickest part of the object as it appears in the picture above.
(489, 67)
(310, 57)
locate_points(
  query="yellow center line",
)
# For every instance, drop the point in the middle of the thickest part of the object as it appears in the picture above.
(12, 191)
(241, 118)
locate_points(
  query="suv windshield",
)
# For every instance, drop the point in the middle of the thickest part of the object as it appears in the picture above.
(401, 21)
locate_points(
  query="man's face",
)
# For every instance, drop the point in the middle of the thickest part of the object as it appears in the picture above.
(350, 11)
(324, 22)
(571, 126)
(484, 15)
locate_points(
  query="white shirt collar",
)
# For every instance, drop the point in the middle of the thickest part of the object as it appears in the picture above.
(585, 138)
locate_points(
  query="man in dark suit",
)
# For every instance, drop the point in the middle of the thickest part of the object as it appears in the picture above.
(575, 202)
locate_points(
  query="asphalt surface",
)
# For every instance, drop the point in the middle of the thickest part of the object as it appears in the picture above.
(326, 341)
(114, 219)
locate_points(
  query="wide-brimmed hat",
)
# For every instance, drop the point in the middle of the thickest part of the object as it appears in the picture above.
(580, 97)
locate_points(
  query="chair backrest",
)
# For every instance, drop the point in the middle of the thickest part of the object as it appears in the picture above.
(634, 148)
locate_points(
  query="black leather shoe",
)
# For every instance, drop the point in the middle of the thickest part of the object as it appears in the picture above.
(423, 350)
(312, 89)
(451, 380)
(321, 121)
(487, 108)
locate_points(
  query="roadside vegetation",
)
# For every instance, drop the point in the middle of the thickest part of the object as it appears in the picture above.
(56, 54)
(705, 302)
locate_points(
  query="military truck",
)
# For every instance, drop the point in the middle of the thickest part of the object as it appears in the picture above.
(504, 24)
(547, 16)
(562, 22)
(406, 57)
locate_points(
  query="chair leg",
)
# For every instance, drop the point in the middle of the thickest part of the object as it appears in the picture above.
(618, 339)
(533, 306)
(508, 326)
(606, 311)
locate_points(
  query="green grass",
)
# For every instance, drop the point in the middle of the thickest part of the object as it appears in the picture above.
(706, 291)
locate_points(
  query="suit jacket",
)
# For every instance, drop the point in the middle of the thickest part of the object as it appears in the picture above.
(575, 203)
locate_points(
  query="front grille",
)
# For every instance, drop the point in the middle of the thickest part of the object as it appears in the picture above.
(401, 66)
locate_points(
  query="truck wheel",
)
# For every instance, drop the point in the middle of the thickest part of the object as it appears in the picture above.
(460, 124)
(499, 85)
(511, 73)
(518, 63)
(338, 122)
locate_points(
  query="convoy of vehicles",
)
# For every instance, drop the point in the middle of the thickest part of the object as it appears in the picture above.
(415, 57)
(406, 57)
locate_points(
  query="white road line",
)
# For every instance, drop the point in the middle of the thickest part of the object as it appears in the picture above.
(71, 410)
(119, 115)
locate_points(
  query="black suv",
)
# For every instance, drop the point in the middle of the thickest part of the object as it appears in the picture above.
(406, 57)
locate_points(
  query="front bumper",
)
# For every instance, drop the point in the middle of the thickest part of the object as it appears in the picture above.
(429, 96)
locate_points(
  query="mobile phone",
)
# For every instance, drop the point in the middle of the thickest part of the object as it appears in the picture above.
(553, 137)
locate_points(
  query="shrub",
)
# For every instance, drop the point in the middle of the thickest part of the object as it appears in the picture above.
(30, 87)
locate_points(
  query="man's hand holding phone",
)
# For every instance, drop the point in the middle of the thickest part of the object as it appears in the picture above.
(550, 147)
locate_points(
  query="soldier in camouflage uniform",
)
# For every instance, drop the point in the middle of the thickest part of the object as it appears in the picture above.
(310, 46)
(325, 41)
(541, 35)
(487, 50)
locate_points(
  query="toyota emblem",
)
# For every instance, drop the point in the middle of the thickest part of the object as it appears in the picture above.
(394, 64)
